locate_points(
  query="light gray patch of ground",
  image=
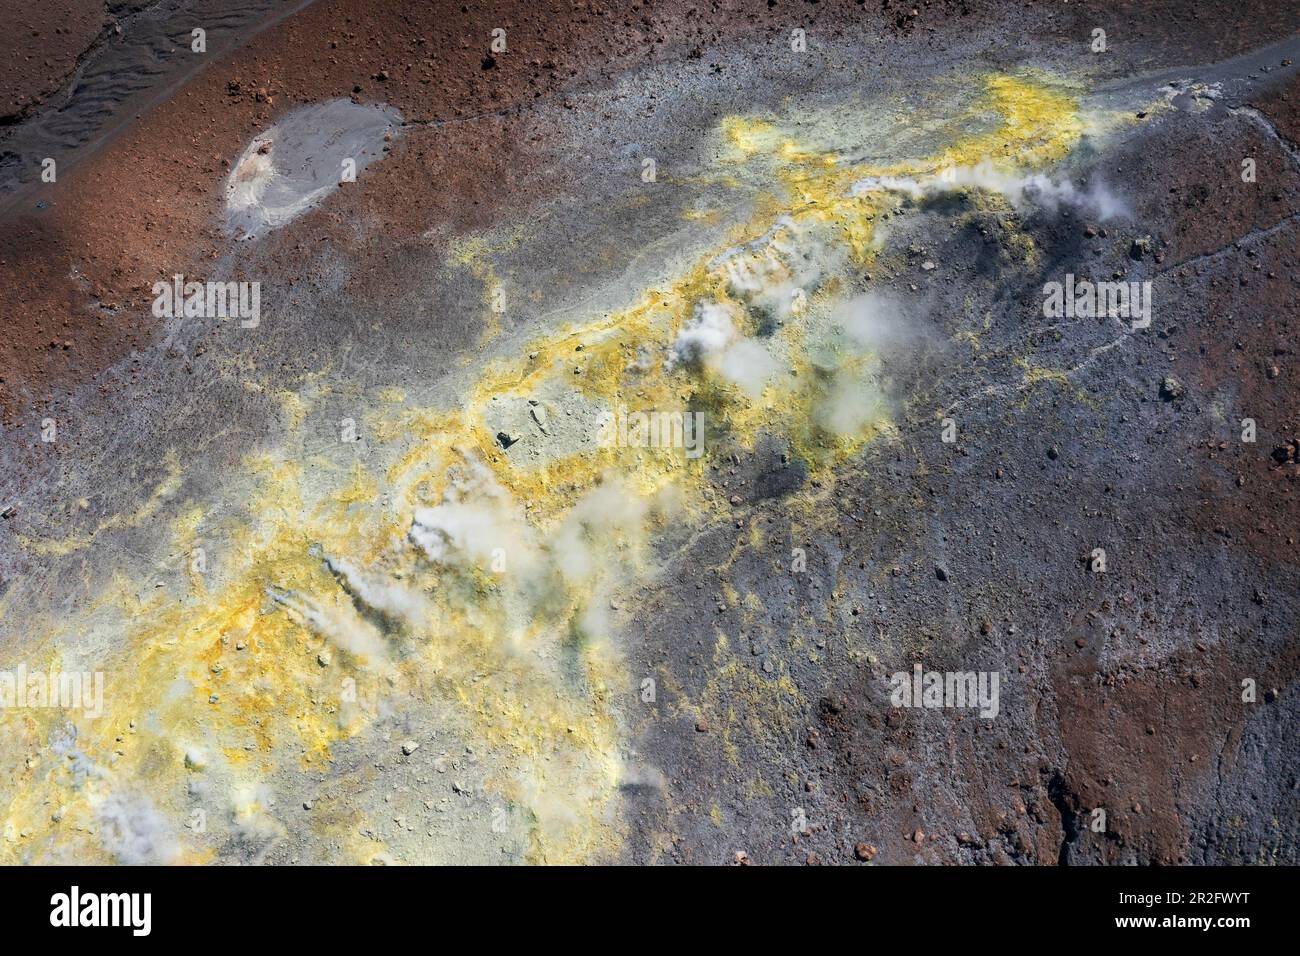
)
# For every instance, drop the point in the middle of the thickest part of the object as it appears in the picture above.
(294, 165)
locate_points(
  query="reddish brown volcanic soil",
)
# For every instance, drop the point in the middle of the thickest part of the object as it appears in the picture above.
(40, 48)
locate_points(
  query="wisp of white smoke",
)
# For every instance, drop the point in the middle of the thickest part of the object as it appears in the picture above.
(1023, 191)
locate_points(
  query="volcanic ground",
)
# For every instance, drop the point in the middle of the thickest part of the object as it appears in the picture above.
(440, 433)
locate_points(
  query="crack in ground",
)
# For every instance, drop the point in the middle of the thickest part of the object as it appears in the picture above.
(1259, 232)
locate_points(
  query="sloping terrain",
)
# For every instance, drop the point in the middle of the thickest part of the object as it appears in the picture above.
(599, 424)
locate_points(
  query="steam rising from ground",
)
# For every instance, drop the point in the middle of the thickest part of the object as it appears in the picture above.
(711, 340)
(1024, 191)
(132, 829)
(704, 337)
(338, 623)
(389, 597)
(863, 331)
(773, 274)
(472, 521)
(135, 831)
(876, 321)
(748, 365)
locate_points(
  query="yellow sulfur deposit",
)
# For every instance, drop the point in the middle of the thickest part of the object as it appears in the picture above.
(445, 569)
